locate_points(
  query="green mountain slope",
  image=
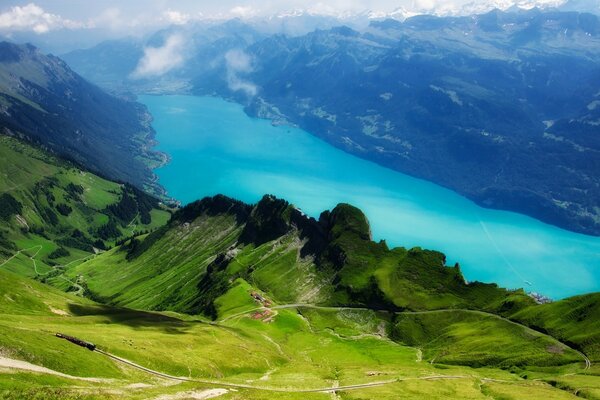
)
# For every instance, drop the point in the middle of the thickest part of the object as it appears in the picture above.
(300, 349)
(575, 320)
(55, 213)
(209, 244)
(216, 255)
(260, 297)
(42, 99)
(470, 338)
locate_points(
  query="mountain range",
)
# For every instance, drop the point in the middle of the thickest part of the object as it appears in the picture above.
(500, 107)
(109, 291)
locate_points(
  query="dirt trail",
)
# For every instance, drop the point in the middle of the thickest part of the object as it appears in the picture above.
(39, 247)
(32, 258)
(215, 392)
(10, 363)
(333, 389)
(587, 361)
(196, 395)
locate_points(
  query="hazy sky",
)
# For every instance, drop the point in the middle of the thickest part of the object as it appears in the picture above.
(87, 9)
(42, 16)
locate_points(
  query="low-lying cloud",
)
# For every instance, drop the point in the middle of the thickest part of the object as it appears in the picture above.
(160, 60)
(176, 17)
(33, 18)
(243, 12)
(239, 62)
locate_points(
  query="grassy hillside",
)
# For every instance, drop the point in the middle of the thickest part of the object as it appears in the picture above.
(215, 253)
(575, 320)
(256, 296)
(471, 338)
(210, 244)
(300, 349)
(44, 100)
(54, 213)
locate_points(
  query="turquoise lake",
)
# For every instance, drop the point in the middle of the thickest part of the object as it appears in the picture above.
(216, 148)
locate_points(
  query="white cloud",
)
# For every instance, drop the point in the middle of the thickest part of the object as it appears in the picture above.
(159, 60)
(110, 18)
(236, 84)
(176, 17)
(243, 12)
(238, 62)
(33, 18)
(137, 17)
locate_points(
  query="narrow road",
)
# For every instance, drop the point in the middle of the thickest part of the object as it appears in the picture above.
(32, 258)
(132, 225)
(280, 390)
(588, 362)
(11, 363)
(38, 247)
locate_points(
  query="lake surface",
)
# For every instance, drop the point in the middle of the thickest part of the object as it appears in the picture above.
(216, 148)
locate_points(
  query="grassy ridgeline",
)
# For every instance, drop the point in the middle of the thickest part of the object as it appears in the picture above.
(214, 253)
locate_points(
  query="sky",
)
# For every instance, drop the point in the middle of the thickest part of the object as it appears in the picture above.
(43, 16)
(60, 26)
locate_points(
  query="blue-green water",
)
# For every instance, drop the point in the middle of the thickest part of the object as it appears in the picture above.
(216, 148)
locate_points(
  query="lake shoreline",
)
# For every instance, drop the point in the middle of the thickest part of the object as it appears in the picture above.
(216, 147)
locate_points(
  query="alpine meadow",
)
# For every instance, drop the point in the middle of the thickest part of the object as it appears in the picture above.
(300, 200)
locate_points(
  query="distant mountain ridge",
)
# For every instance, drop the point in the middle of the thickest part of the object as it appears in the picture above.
(500, 107)
(42, 99)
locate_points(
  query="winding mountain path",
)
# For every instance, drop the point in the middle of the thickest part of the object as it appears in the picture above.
(32, 258)
(587, 361)
(39, 247)
(11, 363)
(332, 389)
